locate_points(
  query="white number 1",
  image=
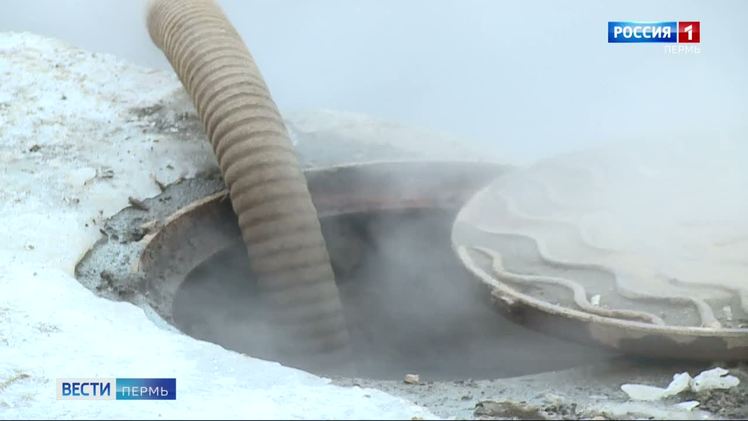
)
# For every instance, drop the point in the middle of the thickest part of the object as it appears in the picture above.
(689, 29)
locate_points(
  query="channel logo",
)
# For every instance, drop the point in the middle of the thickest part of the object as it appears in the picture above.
(684, 32)
(127, 389)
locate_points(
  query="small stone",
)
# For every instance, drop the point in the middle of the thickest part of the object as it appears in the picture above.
(412, 379)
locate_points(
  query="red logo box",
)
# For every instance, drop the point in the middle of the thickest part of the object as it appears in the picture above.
(689, 32)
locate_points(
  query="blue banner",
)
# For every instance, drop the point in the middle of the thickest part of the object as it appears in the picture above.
(626, 31)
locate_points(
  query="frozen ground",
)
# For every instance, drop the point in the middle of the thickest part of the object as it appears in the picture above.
(73, 146)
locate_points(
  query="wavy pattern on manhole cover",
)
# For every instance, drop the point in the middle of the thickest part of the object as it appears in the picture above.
(659, 239)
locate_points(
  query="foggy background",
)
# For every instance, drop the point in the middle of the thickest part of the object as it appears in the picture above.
(533, 78)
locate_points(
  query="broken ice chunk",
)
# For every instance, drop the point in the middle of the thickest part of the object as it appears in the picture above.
(715, 378)
(641, 392)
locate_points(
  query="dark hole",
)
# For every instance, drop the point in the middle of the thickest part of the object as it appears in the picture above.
(410, 305)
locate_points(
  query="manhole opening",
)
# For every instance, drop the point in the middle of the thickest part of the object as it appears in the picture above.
(410, 305)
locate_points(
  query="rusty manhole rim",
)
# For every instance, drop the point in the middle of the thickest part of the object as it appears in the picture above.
(449, 188)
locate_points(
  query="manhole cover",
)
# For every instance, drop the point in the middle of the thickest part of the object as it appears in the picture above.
(643, 254)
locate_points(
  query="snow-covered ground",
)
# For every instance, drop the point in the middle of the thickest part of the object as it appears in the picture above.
(74, 144)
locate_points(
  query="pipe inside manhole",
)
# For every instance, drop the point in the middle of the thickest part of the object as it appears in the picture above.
(410, 305)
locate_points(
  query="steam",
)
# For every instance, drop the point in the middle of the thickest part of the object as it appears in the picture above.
(478, 69)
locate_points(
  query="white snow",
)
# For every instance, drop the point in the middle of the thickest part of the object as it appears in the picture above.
(64, 121)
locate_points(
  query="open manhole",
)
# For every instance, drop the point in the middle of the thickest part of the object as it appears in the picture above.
(410, 305)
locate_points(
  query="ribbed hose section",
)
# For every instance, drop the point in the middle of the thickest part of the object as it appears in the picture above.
(268, 190)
